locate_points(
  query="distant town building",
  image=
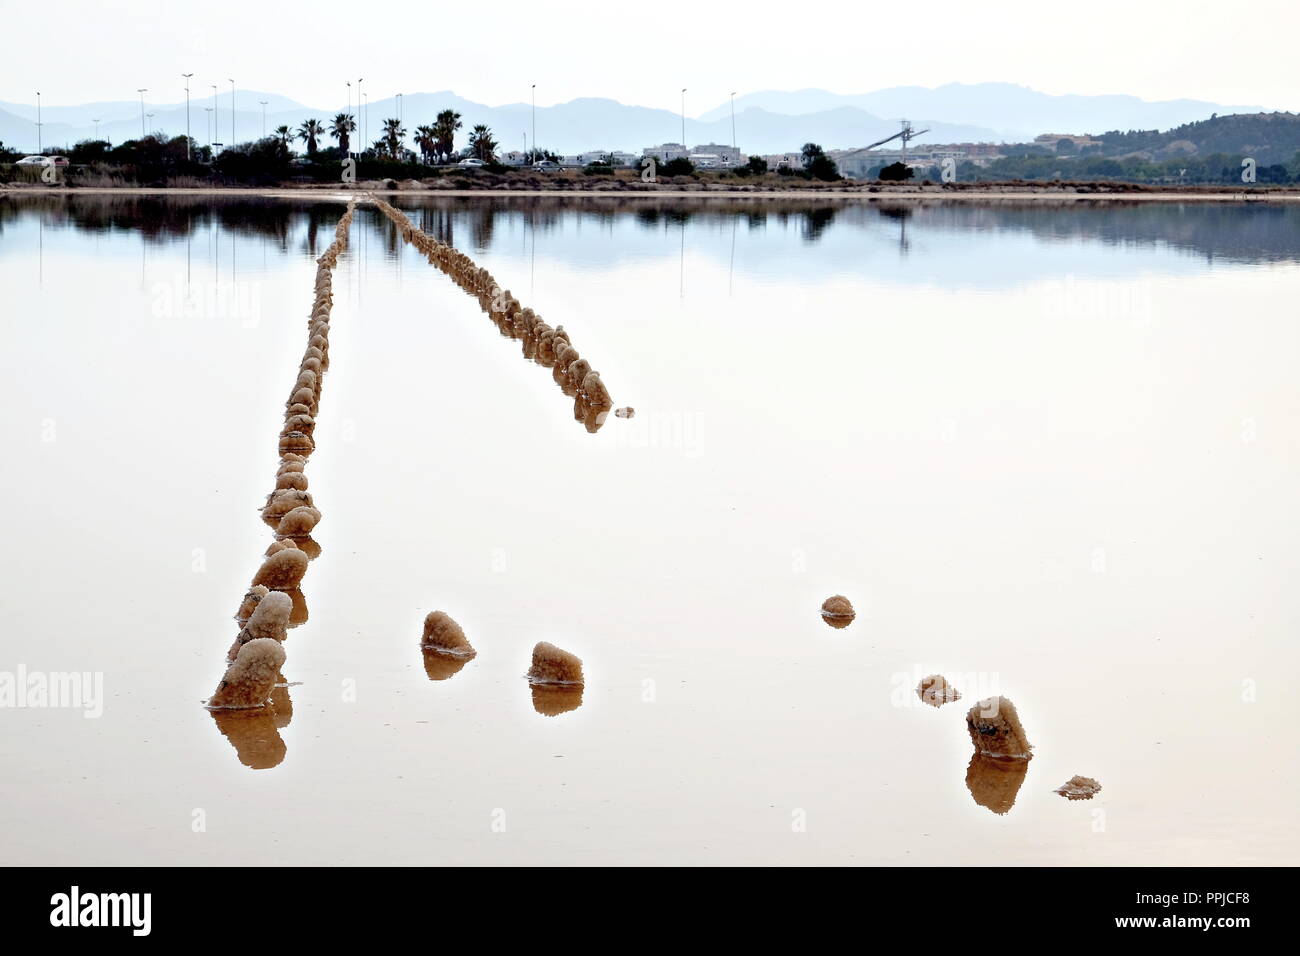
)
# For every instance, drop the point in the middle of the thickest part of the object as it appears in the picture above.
(706, 155)
(666, 152)
(716, 153)
(1052, 140)
(612, 156)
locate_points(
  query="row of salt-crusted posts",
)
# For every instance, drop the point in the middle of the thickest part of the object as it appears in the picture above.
(274, 602)
(549, 347)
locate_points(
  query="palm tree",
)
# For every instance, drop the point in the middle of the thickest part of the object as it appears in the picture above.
(426, 139)
(283, 134)
(308, 132)
(444, 131)
(393, 136)
(340, 127)
(481, 143)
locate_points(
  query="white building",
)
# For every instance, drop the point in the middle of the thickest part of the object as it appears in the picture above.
(718, 154)
(666, 152)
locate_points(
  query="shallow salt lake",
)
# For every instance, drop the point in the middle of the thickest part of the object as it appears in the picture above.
(1047, 451)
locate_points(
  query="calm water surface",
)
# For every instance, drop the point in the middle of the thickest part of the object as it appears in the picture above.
(1050, 452)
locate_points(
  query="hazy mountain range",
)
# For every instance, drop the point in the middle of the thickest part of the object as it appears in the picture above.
(766, 122)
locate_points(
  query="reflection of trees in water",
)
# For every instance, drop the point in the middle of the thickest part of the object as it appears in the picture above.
(163, 218)
(482, 224)
(816, 221)
(436, 223)
(1233, 231)
(1238, 232)
(896, 212)
(392, 242)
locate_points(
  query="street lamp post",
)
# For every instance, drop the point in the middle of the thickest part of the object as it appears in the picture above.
(232, 112)
(142, 91)
(360, 80)
(733, 120)
(96, 122)
(365, 98)
(534, 117)
(39, 145)
(684, 120)
(209, 110)
(263, 102)
(187, 115)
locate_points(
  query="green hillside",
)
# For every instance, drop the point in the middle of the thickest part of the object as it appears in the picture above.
(1268, 138)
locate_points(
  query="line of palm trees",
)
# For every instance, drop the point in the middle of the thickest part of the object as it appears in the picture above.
(436, 141)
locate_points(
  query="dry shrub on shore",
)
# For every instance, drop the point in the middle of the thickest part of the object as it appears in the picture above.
(102, 179)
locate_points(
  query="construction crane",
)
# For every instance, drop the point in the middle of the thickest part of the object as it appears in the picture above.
(905, 134)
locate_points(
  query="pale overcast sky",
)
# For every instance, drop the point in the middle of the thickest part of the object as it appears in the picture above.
(644, 53)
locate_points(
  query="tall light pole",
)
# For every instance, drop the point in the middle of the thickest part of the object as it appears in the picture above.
(263, 102)
(209, 110)
(733, 120)
(534, 117)
(360, 80)
(684, 120)
(39, 147)
(96, 122)
(365, 97)
(142, 91)
(187, 115)
(232, 112)
(400, 128)
(151, 116)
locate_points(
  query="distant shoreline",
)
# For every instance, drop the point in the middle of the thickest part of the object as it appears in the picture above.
(843, 194)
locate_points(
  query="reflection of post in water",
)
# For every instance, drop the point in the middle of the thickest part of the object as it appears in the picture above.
(731, 266)
(440, 666)
(255, 733)
(995, 781)
(901, 214)
(681, 285)
(551, 700)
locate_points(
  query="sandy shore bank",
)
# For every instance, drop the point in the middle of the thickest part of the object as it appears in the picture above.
(818, 195)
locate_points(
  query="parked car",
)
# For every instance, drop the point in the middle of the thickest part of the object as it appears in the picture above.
(43, 161)
(471, 163)
(546, 166)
